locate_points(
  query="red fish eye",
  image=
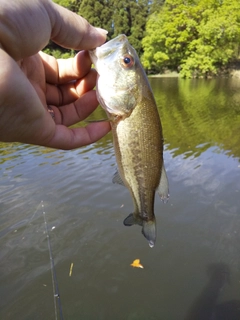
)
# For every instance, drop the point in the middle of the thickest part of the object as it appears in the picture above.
(127, 61)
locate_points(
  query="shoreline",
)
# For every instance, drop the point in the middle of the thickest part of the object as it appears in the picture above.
(173, 74)
(233, 73)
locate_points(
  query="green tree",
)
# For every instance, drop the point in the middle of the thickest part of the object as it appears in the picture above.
(129, 17)
(138, 13)
(199, 37)
(98, 13)
(121, 17)
(155, 5)
(72, 5)
(217, 41)
(116, 16)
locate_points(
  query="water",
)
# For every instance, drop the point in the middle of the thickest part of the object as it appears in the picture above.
(192, 273)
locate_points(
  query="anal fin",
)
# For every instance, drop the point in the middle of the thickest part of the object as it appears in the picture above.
(163, 189)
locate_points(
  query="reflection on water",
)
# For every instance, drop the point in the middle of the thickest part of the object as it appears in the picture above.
(197, 114)
(193, 272)
(206, 305)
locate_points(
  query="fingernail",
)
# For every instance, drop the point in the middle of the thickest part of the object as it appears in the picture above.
(102, 31)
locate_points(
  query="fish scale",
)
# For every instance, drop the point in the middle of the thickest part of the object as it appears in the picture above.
(136, 146)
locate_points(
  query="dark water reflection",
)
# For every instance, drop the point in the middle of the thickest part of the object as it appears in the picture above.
(192, 273)
(197, 114)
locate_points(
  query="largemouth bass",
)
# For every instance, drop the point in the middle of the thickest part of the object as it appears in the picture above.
(124, 92)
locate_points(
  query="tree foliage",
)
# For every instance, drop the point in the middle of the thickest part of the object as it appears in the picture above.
(98, 13)
(116, 16)
(129, 17)
(155, 5)
(198, 37)
(72, 5)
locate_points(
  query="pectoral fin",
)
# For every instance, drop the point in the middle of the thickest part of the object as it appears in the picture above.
(117, 179)
(162, 189)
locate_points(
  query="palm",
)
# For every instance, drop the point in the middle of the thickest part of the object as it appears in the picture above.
(34, 71)
(69, 93)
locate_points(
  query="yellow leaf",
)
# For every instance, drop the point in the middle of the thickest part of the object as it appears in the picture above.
(136, 264)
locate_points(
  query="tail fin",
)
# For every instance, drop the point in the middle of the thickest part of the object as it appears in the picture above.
(149, 232)
(148, 228)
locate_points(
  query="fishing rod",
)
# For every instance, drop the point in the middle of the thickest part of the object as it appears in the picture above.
(56, 295)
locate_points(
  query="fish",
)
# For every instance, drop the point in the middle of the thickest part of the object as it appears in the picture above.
(124, 92)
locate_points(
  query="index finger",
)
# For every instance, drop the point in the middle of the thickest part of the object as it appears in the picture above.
(71, 138)
(64, 70)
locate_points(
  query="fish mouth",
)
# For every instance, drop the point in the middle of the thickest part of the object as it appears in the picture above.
(111, 45)
(107, 48)
(93, 57)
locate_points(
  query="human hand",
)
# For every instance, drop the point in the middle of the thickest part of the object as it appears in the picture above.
(31, 81)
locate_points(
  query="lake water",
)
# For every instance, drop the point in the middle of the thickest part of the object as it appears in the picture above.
(192, 273)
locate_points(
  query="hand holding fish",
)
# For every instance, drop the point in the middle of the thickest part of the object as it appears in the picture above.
(39, 95)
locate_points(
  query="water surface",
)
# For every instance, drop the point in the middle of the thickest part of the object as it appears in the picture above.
(192, 273)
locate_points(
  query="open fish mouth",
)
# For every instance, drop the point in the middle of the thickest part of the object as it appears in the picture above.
(107, 49)
(110, 46)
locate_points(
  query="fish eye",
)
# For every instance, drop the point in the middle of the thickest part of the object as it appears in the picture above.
(127, 61)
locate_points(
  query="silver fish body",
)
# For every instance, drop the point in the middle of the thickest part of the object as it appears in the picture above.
(124, 92)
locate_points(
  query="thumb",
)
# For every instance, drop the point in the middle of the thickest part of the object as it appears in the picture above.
(72, 31)
(27, 26)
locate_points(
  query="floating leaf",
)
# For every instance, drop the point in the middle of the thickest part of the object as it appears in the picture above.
(136, 264)
(70, 271)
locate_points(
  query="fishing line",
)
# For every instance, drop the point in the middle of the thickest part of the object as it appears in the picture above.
(29, 222)
(56, 295)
